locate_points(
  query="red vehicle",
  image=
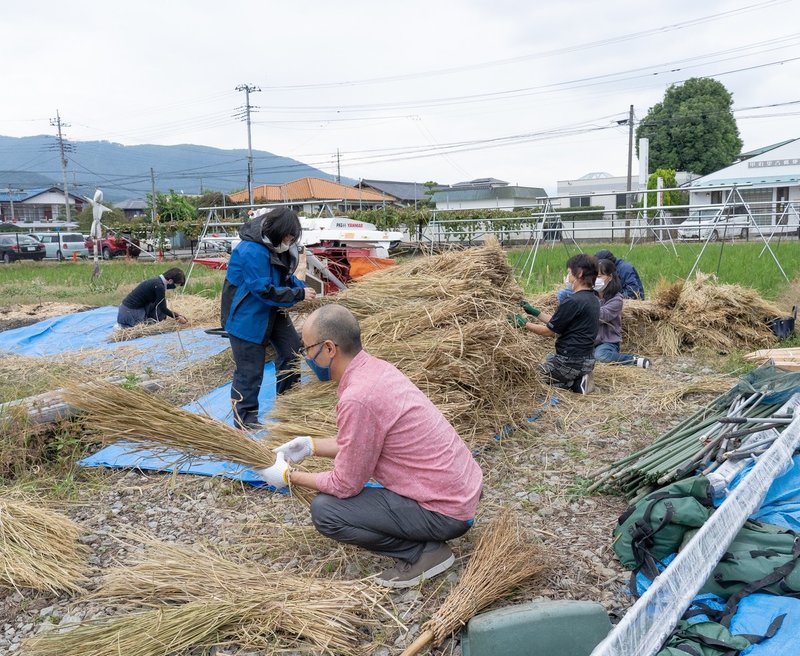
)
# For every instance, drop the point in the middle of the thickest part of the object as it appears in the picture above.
(113, 245)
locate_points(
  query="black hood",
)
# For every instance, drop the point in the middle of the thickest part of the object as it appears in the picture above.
(252, 230)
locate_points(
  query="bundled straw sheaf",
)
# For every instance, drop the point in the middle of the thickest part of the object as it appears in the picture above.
(39, 549)
(116, 412)
(199, 310)
(198, 598)
(504, 558)
(443, 321)
(699, 313)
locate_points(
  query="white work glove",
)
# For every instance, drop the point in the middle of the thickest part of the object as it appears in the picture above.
(296, 450)
(278, 475)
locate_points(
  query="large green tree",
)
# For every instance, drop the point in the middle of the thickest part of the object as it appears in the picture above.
(692, 129)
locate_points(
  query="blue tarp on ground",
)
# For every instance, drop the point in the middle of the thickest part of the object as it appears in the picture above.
(91, 331)
(215, 404)
(781, 505)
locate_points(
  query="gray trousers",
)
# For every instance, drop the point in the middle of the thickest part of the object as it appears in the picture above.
(384, 522)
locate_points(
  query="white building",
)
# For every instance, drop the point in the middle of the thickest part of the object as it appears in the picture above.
(767, 179)
(601, 189)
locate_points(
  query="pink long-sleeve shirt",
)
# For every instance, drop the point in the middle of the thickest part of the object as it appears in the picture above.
(389, 431)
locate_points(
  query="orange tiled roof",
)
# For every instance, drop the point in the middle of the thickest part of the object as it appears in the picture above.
(309, 189)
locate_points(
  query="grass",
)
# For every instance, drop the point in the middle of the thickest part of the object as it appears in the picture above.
(740, 263)
(71, 282)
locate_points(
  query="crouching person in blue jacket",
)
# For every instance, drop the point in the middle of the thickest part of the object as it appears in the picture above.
(259, 283)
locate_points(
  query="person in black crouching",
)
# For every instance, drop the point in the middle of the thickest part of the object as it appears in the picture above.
(147, 303)
(574, 324)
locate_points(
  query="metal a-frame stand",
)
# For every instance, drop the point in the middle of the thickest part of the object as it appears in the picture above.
(734, 197)
(657, 224)
(540, 233)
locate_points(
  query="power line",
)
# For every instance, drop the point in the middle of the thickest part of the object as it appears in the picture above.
(537, 55)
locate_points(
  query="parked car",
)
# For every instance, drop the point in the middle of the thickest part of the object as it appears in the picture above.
(15, 246)
(113, 245)
(713, 224)
(61, 245)
(152, 244)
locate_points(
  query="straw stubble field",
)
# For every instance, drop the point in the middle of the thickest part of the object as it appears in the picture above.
(535, 471)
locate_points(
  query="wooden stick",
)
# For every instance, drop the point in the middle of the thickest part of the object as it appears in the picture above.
(422, 641)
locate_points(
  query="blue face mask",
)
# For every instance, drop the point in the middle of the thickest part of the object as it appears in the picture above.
(323, 373)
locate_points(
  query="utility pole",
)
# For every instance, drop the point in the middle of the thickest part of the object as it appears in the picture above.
(338, 167)
(630, 155)
(153, 196)
(56, 122)
(248, 89)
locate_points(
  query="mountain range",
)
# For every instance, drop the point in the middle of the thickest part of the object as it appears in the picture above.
(123, 172)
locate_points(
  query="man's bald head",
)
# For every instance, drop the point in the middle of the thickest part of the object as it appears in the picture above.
(336, 323)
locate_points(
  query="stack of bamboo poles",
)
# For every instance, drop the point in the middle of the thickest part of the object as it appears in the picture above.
(39, 549)
(699, 443)
(443, 321)
(195, 598)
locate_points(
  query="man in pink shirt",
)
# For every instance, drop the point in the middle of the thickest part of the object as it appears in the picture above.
(390, 433)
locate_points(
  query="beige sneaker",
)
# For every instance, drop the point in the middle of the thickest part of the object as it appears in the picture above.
(407, 575)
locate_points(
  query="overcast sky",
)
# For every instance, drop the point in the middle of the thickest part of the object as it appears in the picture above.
(528, 92)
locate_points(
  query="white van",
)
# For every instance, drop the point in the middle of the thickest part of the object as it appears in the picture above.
(61, 245)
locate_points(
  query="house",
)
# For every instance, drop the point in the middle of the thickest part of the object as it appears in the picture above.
(772, 176)
(133, 207)
(487, 193)
(407, 193)
(36, 209)
(309, 195)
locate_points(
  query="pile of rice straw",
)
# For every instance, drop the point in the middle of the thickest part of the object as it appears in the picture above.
(39, 548)
(196, 598)
(699, 314)
(443, 321)
(201, 312)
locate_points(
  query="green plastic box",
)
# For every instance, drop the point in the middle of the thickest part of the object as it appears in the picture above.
(538, 628)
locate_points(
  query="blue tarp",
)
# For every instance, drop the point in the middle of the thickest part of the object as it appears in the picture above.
(215, 404)
(781, 505)
(91, 331)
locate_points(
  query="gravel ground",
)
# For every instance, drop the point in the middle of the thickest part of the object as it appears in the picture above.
(534, 471)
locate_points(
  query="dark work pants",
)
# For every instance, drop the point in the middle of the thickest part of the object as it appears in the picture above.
(249, 372)
(384, 522)
(150, 313)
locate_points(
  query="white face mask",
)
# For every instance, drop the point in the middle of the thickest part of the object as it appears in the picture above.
(599, 285)
(282, 248)
(567, 283)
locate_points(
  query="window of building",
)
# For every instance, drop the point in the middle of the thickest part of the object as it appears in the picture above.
(581, 201)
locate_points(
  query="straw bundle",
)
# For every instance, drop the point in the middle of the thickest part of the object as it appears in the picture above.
(199, 599)
(199, 310)
(117, 413)
(39, 549)
(442, 321)
(503, 559)
(698, 314)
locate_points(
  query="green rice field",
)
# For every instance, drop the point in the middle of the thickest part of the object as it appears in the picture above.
(738, 263)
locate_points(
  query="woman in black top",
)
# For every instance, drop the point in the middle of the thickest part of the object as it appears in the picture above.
(147, 303)
(574, 324)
